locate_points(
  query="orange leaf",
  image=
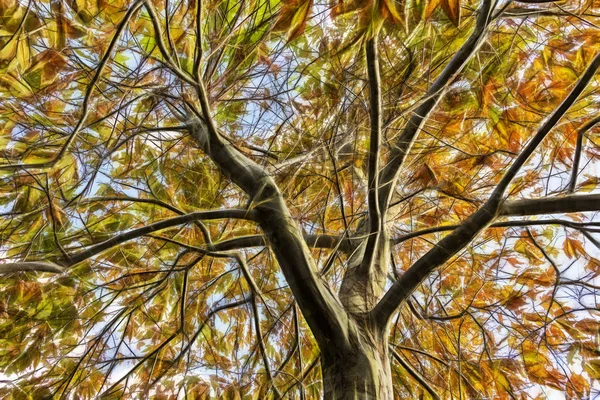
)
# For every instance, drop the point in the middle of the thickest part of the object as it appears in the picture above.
(431, 6)
(578, 386)
(452, 10)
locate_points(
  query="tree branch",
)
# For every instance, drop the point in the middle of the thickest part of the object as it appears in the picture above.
(504, 224)
(37, 266)
(157, 202)
(167, 223)
(552, 205)
(321, 309)
(390, 173)
(376, 220)
(460, 237)
(134, 200)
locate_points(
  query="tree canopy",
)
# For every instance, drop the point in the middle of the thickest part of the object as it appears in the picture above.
(244, 198)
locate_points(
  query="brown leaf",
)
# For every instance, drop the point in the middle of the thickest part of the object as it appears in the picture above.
(293, 17)
(452, 10)
(431, 6)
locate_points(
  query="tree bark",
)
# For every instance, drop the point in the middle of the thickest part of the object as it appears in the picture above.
(363, 371)
(362, 288)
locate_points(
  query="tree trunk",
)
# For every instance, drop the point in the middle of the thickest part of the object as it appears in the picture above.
(362, 288)
(361, 373)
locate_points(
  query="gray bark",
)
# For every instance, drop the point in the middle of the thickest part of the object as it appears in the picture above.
(362, 372)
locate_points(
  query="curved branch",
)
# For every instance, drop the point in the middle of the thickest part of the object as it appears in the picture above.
(322, 310)
(37, 266)
(462, 236)
(167, 223)
(390, 173)
(132, 199)
(157, 202)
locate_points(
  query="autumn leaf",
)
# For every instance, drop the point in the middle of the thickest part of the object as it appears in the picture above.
(389, 11)
(432, 5)
(450, 7)
(589, 184)
(293, 18)
(219, 199)
(573, 247)
(452, 10)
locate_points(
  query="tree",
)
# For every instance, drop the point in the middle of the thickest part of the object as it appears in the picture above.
(261, 199)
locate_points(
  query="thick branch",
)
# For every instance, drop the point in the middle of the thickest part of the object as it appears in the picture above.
(460, 237)
(533, 207)
(37, 266)
(375, 218)
(167, 223)
(321, 309)
(389, 174)
(552, 205)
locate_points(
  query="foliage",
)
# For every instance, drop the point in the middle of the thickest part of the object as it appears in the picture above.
(100, 100)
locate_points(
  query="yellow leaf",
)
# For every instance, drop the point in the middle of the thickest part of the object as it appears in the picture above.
(592, 367)
(17, 87)
(588, 185)
(23, 54)
(563, 73)
(573, 247)
(9, 50)
(389, 11)
(86, 9)
(526, 248)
